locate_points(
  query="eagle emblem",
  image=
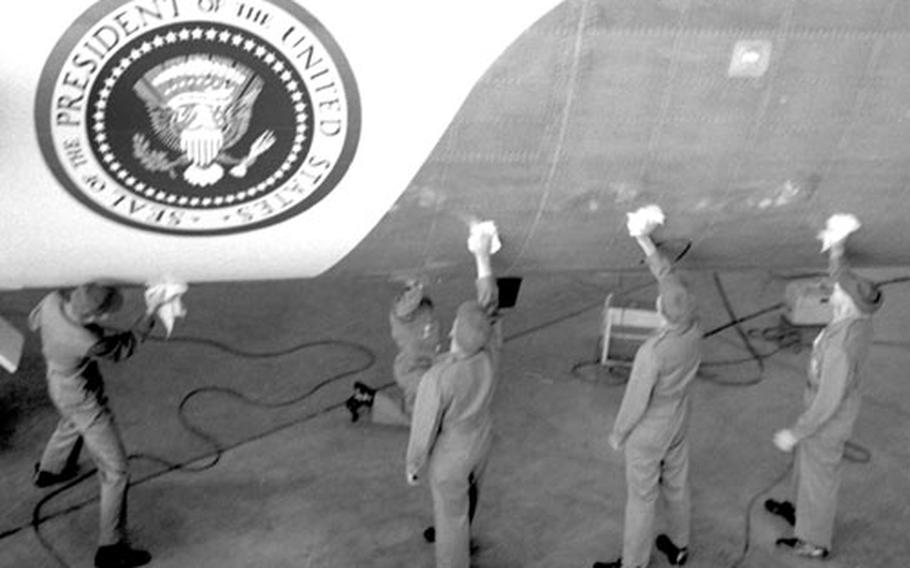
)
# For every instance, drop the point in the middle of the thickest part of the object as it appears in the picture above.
(199, 107)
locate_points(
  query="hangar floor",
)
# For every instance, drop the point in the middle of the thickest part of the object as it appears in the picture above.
(243, 456)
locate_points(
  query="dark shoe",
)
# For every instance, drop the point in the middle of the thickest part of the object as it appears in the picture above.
(802, 548)
(353, 406)
(429, 535)
(46, 479)
(615, 564)
(120, 556)
(783, 509)
(675, 556)
(362, 397)
(364, 393)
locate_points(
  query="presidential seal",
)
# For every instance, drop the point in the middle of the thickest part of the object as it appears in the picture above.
(198, 117)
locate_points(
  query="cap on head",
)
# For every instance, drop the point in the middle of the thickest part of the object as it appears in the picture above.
(410, 301)
(95, 299)
(472, 327)
(866, 295)
(676, 304)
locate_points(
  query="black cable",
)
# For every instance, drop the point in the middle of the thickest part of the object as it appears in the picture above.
(620, 374)
(853, 452)
(897, 280)
(233, 393)
(787, 336)
(743, 319)
(218, 448)
(747, 531)
(725, 300)
(37, 520)
(617, 375)
(684, 251)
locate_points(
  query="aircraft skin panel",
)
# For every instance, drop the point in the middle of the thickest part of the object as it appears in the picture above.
(411, 62)
(553, 120)
(644, 111)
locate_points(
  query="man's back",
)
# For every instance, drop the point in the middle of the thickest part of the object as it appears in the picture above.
(64, 342)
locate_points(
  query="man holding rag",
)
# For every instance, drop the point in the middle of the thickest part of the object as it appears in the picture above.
(73, 343)
(415, 330)
(832, 400)
(653, 420)
(451, 432)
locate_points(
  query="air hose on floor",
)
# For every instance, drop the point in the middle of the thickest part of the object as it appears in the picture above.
(217, 448)
(787, 337)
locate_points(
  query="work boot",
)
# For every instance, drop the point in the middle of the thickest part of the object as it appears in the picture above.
(44, 479)
(675, 556)
(120, 555)
(802, 548)
(353, 406)
(364, 393)
(429, 535)
(363, 396)
(783, 509)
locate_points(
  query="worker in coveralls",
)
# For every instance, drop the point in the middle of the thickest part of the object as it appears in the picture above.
(653, 420)
(72, 343)
(832, 401)
(415, 331)
(451, 431)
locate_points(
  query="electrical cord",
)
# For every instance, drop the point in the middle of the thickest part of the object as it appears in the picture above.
(756, 356)
(615, 375)
(787, 337)
(217, 448)
(747, 530)
(891, 281)
(853, 453)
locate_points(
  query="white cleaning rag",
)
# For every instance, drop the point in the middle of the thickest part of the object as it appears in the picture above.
(644, 220)
(165, 298)
(481, 228)
(838, 227)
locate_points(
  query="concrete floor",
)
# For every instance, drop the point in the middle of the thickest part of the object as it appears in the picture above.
(280, 477)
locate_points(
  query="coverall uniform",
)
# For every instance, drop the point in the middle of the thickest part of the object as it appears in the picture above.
(653, 420)
(832, 401)
(452, 425)
(71, 351)
(416, 332)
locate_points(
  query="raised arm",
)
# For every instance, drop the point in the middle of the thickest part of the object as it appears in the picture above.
(480, 243)
(677, 304)
(658, 263)
(833, 237)
(641, 223)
